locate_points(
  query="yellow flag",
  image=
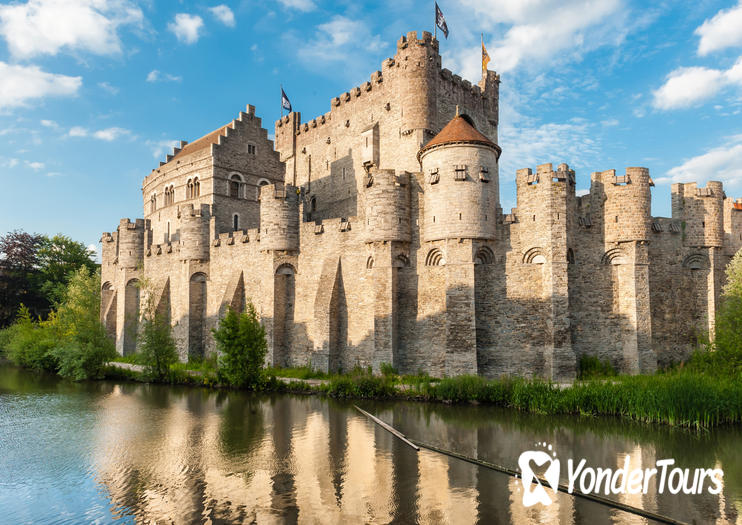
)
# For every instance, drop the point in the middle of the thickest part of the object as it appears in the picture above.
(485, 58)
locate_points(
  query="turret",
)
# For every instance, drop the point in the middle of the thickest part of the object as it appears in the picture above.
(461, 183)
(279, 217)
(627, 209)
(387, 200)
(702, 213)
(194, 233)
(131, 243)
(418, 61)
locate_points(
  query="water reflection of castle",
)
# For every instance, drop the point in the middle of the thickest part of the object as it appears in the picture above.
(195, 456)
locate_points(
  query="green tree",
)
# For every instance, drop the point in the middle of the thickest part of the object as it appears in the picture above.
(20, 276)
(156, 343)
(242, 347)
(59, 257)
(83, 346)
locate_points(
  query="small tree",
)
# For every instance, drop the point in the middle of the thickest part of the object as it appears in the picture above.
(156, 343)
(242, 347)
(82, 346)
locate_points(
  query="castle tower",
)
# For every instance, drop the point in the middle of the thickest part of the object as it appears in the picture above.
(194, 235)
(387, 200)
(387, 231)
(628, 205)
(461, 205)
(461, 197)
(626, 227)
(131, 243)
(546, 200)
(279, 217)
(701, 211)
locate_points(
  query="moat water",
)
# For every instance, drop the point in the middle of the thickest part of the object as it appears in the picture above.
(120, 452)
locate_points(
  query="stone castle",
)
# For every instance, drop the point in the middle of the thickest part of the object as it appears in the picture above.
(374, 234)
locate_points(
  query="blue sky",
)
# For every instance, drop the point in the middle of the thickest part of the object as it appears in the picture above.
(93, 93)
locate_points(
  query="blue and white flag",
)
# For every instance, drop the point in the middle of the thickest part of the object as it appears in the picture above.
(285, 104)
(440, 21)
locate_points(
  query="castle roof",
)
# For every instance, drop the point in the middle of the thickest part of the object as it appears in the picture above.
(204, 142)
(460, 130)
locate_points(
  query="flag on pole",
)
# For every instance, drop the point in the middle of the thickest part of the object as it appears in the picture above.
(285, 104)
(485, 58)
(440, 20)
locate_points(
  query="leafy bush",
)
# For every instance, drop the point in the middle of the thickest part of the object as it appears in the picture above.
(29, 343)
(157, 346)
(72, 341)
(592, 367)
(360, 384)
(242, 346)
(83, 346)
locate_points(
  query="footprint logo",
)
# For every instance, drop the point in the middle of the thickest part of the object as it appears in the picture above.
(533, 491)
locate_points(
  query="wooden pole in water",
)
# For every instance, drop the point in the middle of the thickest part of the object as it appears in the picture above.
(562, 487)
(388, 428)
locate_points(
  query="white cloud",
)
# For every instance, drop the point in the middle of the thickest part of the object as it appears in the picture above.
(44, 27)
(161, 147)
(539, 30)
(105, 86)
(224, 14)
(610, 122)
(528, 144)
(49, 124)
(581, 193)
(111, 134)
(186, 27)
(723, 163)
(157, 76)
(8, 162)
(722, 31)
(78, 131)
(36, 166)
(301, 5)
(339, 40)
(19, 84)
(687, 86)
(108, 134)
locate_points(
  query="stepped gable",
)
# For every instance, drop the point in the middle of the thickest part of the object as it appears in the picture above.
(460, 130)
(204, 142)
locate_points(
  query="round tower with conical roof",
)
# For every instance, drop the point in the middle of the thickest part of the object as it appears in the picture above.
(461, 183)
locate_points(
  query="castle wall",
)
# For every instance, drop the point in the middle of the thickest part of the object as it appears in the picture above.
(341, 257)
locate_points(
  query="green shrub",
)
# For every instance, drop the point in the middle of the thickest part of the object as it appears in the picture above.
(591, 367)
(363, 385)
(29, 343)
(157, 346)
(83, 347)
(388, 370)
(242, 346)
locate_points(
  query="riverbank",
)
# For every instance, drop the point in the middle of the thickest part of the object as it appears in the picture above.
(679, 398)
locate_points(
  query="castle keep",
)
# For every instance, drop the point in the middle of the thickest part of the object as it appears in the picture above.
(374, 234)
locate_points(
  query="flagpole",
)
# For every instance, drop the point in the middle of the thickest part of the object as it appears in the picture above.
(281, 101)
(435, 22)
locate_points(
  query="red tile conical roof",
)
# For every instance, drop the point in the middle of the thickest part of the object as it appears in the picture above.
(459, 131)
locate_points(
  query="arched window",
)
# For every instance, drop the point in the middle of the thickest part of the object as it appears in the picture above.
(153, 203)
(313, 204)
(235, 222)
(196, 187)
(435, 258)
(167, 239)
(234, 186)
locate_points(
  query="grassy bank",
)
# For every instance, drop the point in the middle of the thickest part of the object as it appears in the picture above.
(684, 398)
